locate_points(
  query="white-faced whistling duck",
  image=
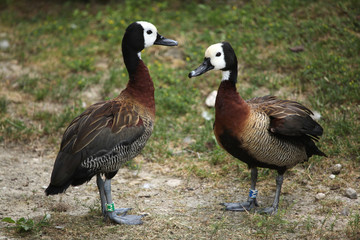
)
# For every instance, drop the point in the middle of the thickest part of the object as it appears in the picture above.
(262, 132)
(107, 134)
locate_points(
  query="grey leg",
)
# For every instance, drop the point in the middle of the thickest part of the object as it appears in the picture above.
(273, 209)
(100, 184)
(251, 202)
(107, 189)
(112, 215)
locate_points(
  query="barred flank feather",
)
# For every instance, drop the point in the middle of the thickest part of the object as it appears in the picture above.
(120, 154)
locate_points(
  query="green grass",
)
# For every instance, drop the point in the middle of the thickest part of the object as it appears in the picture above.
(63, 42)
(3, 105)
(353, 228)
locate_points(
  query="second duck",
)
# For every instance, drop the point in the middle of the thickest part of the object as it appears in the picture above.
(262, 132)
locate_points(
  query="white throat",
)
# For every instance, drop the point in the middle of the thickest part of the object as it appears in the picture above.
(225, 75)
(139, 54)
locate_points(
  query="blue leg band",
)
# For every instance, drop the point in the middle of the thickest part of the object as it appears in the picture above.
(253, 193)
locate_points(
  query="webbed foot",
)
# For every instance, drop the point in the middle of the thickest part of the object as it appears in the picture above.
(125, 219)
(241, 207)
(121, 211)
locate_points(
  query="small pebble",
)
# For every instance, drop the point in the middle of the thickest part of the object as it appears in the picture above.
(73, 26)
(320, 196)
(179, 152)
(351, 193)
(4, 44)
(206, 115)
(101, 66)
(173, 182)
(345, 211)
(336, 169)
(332, 176)
(47, 216)
(334, 187)
(210, 100)
(188, 140)
(297, 49)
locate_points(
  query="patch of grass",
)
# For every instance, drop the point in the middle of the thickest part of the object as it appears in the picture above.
(353, 227)
(198, 171)
(265, 226)
(3, 105)
(79, 65)
(216, 226)
(117, 79)
(132, 165)
(64, 118)
(55, 87)
(16, 129)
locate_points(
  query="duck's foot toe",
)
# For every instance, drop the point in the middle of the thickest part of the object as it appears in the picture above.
(125, 219)
(121, 211)
(241, 207)
(268, 211)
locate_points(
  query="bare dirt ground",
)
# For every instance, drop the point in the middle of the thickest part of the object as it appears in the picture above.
(189, 205)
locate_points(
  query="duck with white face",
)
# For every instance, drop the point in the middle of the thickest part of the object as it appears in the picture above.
(219, 56)
(262, 132)
(110, 133)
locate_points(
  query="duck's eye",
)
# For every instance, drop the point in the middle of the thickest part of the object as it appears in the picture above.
(218, 54)
(149, 32)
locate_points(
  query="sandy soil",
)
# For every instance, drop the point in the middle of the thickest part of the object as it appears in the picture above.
(152, 190)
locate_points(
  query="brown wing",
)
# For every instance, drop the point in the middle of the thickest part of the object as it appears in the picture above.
(287, 117)
(96, 131)
(111, 114)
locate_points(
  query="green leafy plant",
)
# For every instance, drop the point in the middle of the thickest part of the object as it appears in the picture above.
(22, 224)
(27, 224)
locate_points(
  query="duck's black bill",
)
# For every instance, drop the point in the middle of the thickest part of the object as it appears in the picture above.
(203, 68)
(160, 40)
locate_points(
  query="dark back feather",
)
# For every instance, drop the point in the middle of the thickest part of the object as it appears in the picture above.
(287, 117)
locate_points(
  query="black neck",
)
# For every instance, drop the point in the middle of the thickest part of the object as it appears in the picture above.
(232, 70)
(131, 60)
(233, 75)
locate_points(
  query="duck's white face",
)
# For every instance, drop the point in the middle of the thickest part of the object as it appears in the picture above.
(216, 55)
(150, 33)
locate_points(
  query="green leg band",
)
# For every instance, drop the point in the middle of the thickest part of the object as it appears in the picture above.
(110, 207)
